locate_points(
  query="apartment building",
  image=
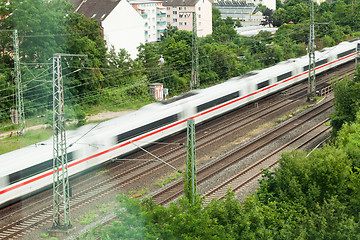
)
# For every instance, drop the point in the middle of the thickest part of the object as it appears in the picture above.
(154, 15)
(179, 14)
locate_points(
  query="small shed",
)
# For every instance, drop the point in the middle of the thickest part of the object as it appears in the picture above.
(157, 91)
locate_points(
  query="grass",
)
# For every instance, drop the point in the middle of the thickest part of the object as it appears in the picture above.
(174, 176)
(44, 235)
(137, 194)
(327, 124)
(87, 218)
(105, 207)
(11, 143)
(30, 137)
(291, 114)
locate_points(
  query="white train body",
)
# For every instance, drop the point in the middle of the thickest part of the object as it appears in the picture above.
(29, 169)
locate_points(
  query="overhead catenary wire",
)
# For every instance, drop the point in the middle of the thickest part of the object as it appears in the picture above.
(142, 70)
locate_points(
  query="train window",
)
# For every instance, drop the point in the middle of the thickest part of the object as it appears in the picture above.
(217, 101)
(33, 170)
(146, 128)
(321, 62)
(263, 84)
(284, 76)
(343, 54)
(318, 63)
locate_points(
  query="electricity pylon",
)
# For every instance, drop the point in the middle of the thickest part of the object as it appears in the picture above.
(61, 187)
(195, 81)
(18, 86)
(311, 49)
(190, 174)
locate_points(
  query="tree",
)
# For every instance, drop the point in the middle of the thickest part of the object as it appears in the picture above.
(347, 101)
(223, 31)
(85, 37)
(169, 31)
(238, 23)
(41, 25)
(268, 17)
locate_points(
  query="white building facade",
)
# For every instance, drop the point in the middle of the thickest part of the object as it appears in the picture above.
(154, 15)
(179, 14)
(122, 26)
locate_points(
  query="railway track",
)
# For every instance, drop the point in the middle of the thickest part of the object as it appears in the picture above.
(18, 228)
(206, 135)
(175, 190)
(254, 171)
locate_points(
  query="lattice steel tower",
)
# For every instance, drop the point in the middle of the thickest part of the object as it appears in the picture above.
(195, 81)
(61, 197)
(190, 174)
(311, 49)
(61, 187)
(18, 86)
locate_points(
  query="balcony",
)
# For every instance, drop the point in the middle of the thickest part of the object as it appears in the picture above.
(161, 22)
(144, 15)
(161, 14)
(161, 30)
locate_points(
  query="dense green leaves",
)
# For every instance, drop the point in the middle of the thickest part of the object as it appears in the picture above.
(347, 101)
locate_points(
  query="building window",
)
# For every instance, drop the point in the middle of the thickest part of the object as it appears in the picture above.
(199, 15)
(174, 12)
(180, 23)
(168, 23)
(180, 8)
(168, 8)
(185, 23)
(199, 8)
(184, 8)
(175, 20)
(168, 15)
(199, 23)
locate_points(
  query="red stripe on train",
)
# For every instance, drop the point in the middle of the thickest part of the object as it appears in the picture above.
(165, 128)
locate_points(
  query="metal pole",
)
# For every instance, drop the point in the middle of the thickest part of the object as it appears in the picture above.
(195, 81)
(61, 198)
(61, 187)
(190, 183)
(18, 86)
(357, 55)
(311, 49)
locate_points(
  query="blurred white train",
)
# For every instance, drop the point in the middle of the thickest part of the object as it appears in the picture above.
(29, 169)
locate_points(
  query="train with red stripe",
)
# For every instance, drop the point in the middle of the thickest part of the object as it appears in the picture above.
(29, 169)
